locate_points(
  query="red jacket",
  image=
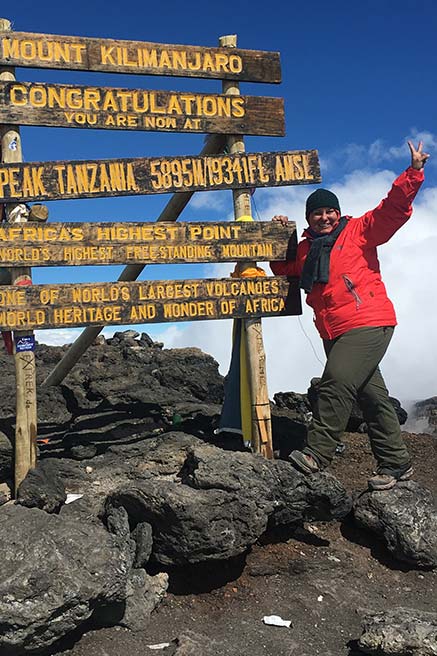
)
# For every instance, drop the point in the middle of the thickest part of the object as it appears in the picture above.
(355, 296)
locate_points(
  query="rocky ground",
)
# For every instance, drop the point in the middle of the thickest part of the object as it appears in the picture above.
(132, 429)
(325, 580)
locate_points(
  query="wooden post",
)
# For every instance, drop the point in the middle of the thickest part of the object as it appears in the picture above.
(261, 417)
(25, 372)
(171, 212)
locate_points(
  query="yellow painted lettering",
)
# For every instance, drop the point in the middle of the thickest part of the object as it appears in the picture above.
(60, 169)
(307, 168)
(71, 180)
(10, 48)
(106, 55)
(130, 178)
(105, 184)
(238, 107)
(27, 183)
(18, 95)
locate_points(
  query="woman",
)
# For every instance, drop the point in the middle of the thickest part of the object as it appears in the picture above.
(338, 267)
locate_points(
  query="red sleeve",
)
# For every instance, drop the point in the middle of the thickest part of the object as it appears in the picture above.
(284, 268)
(380, 224)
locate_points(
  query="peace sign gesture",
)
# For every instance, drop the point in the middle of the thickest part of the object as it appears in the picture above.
(418, 157)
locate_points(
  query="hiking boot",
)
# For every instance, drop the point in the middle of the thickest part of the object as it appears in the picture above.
(386, 477)
(304, 462)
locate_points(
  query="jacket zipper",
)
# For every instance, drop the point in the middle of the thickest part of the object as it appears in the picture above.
(350, 286)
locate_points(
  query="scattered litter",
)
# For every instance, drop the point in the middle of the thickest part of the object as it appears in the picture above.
(73, 497)
(320, 598)
(162, 645)
(88, 469)
(275, 620)
(96, 482)
(334, 559)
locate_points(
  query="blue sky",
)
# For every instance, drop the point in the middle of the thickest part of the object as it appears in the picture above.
(358, 80)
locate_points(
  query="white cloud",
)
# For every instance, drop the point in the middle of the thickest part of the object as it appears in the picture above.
(217, 201)
(57, 337)
(357, 156)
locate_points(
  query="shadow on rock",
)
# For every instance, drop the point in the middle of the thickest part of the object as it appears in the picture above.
(376, 545)
(202, 577)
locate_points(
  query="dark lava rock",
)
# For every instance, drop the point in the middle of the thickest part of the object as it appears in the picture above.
(400, 632)
(42, 488)
(143, 536)
(121, 389)
(143, 594)
(6, 456)
(136, 373)
(406, 518)
(221, 502)
(427, 411)
(298, 404)
(54, 573)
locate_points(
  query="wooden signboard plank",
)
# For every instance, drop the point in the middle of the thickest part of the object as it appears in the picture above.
(155, 175)
(74, 106)
(137, 57)
(158, 301)
(57, 244)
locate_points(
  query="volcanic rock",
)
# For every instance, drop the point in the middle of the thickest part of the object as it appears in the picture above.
(54, 573)
(220, 503)
(406, 518)
(5, 457)
(427, 412)
(400, 631)
(42, 488)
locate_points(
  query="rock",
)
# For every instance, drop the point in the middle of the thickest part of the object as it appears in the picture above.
(42, 488)
(400, 631)
(83, 451)
(298, 404)
(162, 377)
(220, 502)
(6, 456)
(54, 572)
(406, 518)
(143, 537)
(196, 418)
(5, 493)
(426, 412)
(144, 594)
(327, 499)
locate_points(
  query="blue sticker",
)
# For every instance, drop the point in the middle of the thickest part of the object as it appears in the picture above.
(13, 145)
(25, 344)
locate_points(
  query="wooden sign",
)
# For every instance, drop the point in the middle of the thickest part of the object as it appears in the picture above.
(159, 301)
(54, 244)
(137, 57)
(62, 105)
(155, 175)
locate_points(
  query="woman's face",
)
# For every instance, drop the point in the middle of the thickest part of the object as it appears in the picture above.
(323, 220)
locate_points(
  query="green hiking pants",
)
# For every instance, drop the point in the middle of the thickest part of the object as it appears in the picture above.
(352, 373)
